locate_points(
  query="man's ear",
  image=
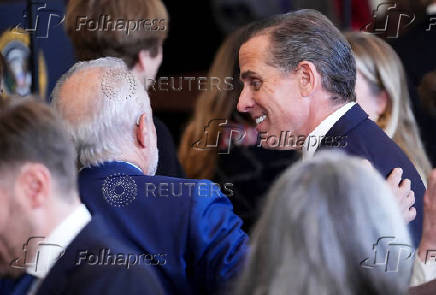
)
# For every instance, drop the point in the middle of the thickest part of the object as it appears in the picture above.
(307, 78)
(33, 185)
(141, 131)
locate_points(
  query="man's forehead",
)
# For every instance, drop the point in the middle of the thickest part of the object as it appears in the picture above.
(253, 53)
(254, 48)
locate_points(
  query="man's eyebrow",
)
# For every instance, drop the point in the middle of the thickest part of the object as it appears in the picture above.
(246, 74)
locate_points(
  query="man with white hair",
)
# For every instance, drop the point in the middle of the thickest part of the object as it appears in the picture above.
(49, 243)
(187, 227)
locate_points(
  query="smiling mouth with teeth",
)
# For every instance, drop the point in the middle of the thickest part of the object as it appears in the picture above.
(260, 119)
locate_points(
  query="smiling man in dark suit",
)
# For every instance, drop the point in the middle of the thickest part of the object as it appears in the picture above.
(110, 120)
(46, 235)
(299, 78)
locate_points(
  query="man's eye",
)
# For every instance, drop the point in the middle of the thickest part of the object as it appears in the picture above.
(255, 83)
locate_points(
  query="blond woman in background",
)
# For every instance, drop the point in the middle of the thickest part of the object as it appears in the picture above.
(381, 90)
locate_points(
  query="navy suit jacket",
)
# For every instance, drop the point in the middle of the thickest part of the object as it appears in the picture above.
(72, 274)
(188, 222)
(359, 136)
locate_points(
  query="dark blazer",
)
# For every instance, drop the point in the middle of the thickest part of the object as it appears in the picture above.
(73, 276)
(168, 164)
(190, 222)
(428, 288)
(359, 136)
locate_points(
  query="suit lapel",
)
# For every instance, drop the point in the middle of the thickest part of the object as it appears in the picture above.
(345, 124)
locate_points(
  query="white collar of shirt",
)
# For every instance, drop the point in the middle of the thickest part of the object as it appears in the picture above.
(431, 9)
(321, 130)
(131, 164)
(53, 246)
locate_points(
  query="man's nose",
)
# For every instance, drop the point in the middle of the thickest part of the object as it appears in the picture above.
(245, 102)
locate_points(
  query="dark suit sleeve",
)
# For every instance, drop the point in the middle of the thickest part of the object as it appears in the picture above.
(168, 164)
(428, 288)
(218, 244)
(110, 280)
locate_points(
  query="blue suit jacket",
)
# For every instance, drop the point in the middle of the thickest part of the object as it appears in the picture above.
(359, 136)
(189, 223)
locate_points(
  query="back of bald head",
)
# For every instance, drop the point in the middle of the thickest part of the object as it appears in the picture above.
(100, 100)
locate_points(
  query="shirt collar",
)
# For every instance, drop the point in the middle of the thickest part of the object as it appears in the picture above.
(129, 163)
(431, 9)
(313, 140)
(53, 247)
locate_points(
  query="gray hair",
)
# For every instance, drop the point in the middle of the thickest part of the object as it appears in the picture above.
(321, 220)
(104, 131)
(308, 35)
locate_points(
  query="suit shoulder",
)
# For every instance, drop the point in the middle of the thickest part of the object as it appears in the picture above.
(114, 279)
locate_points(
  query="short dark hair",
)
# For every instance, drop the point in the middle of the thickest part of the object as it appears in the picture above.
(31, 132)
(100, 42)
(308, 35)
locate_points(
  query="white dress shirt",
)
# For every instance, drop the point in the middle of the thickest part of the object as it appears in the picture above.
(53, 247)
(422, 272)
(321, 130)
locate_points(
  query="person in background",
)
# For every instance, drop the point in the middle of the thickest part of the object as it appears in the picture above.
(381, 91)
(427, 99)
(190, 223)
(425, 263)
(95, 32)
(44, 228)
(416, 47)
(416, 50)
(2, 71)
(336, 247)
(250, 168)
